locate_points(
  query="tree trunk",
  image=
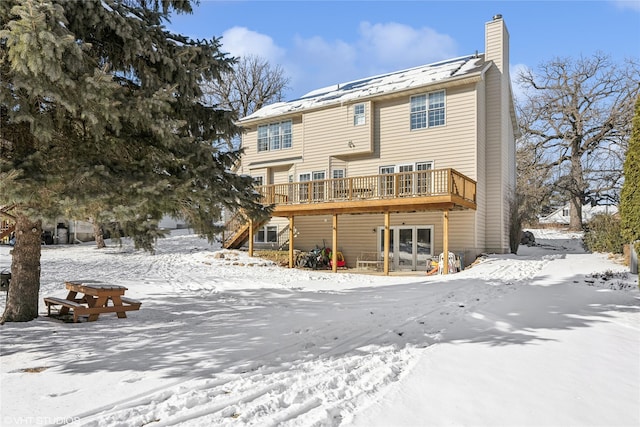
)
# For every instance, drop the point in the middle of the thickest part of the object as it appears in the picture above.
(577, 189)
(24, 289)
(97, 233)
(575, 213)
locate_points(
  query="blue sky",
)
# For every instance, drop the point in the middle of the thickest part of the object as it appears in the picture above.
(320, 43)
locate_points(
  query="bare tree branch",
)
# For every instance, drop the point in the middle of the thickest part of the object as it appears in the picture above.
(577, 115)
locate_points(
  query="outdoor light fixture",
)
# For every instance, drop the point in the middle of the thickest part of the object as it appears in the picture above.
(351, 144)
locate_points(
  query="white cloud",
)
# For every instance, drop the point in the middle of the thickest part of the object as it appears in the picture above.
(315, 62)
(400, 46)
(379, 48)
(240, 41)
(628, 4)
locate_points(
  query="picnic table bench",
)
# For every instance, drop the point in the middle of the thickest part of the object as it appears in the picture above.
(367, 260)
(94, 299)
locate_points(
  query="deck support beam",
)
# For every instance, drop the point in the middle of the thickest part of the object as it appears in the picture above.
(334, 248)
(291, 233)
(445, 241)
(387, 241)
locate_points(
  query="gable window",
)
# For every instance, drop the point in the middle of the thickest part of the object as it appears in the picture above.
(274, 136)
(427, 110)
(358, 115)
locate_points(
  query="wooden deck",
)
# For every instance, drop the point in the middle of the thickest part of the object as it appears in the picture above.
(440, 189)
(431, 190)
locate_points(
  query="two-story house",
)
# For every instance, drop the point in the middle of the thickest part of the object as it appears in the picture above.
(407, 164)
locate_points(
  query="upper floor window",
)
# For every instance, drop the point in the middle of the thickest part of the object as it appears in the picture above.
(274, 136)
(358, 114)
(427, 110)
(436, 109)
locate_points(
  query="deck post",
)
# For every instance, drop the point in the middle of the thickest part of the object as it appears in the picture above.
(387, 240)
(250, 237)
(334, 248)
(291, 233)
(445, 241)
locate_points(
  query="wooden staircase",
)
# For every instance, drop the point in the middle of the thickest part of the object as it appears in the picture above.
(237, 231)
(7, 225)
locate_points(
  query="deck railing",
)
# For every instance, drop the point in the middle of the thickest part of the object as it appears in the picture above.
(439, 182)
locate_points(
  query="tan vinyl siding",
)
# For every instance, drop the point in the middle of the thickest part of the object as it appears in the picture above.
(451, 145)
(499, 137)
(481, 186)
(328, 133)
(358, 234)
(494, 177)
(279, 174)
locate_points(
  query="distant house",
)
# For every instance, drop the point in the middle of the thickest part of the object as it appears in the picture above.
(563, 215)
(407, 164)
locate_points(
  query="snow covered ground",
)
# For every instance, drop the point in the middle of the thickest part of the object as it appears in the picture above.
(548, 337)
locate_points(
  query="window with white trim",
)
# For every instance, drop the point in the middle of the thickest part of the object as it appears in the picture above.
(318, 187)
(266, 234)
(427, 110)
(275, 136)
(436, 109)
(405, 179)
(387, 182)
(358, 115)
(423, 178)
(339, 184)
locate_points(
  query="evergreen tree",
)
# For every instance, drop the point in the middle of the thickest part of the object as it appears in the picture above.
(630, 195)
(101, 115)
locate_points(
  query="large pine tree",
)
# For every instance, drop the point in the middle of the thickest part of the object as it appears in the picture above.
(101, 117)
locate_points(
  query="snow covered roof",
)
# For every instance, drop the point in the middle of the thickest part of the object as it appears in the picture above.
(562, 215)
(376, 85)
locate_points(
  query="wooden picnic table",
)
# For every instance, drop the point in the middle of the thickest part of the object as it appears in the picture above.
(92, 299)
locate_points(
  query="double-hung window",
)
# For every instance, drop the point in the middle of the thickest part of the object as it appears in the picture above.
(274, 136)
(266, 234)
(263, 138)
(428, 110)
(436, 109)
(358, 115)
